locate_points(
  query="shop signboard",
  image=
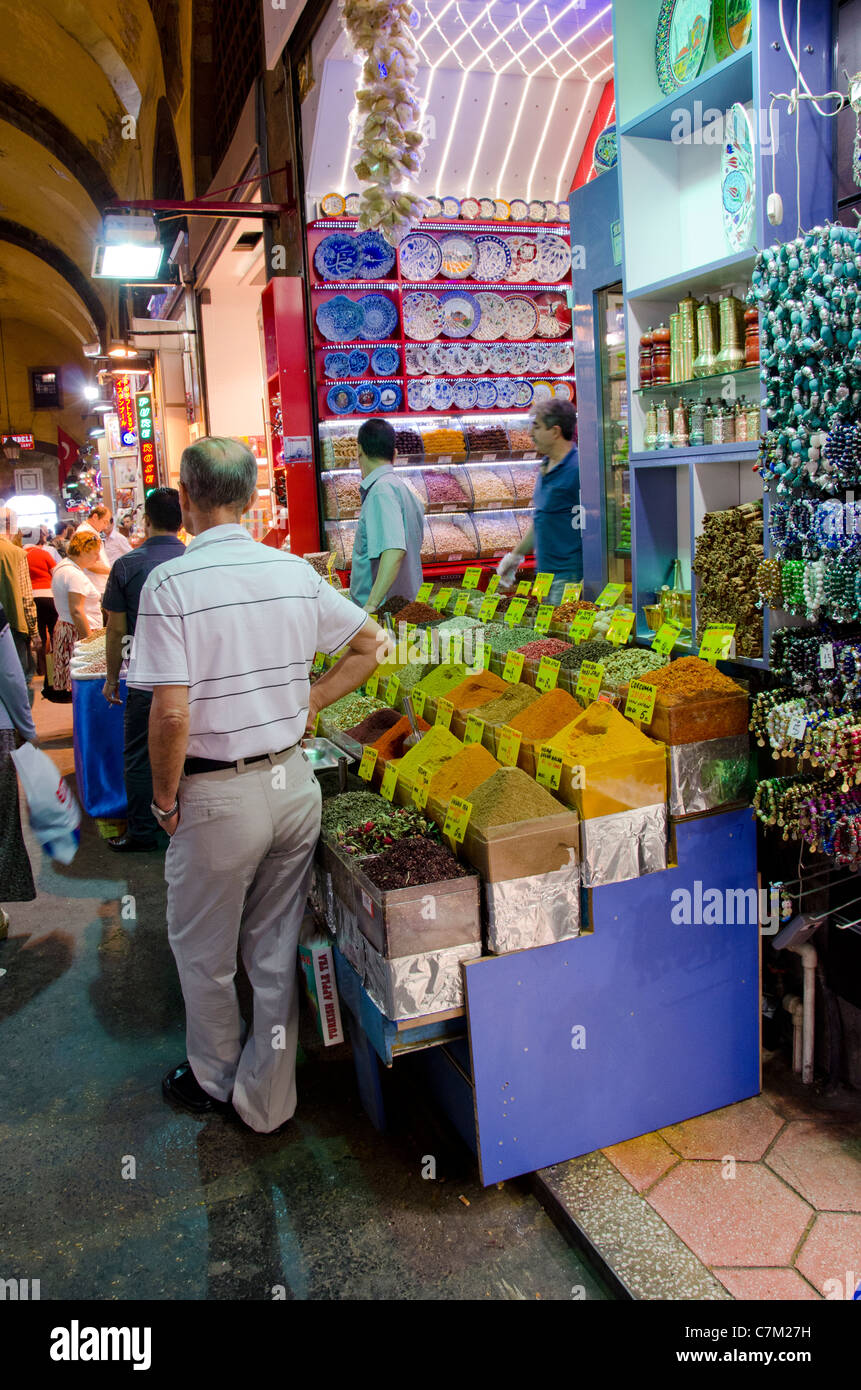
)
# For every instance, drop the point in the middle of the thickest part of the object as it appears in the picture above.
(126, 416)
(146, 436)
(24, 441)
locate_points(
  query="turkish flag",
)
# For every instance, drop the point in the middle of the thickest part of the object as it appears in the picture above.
(67, 453)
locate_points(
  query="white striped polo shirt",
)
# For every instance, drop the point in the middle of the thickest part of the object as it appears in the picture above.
(238, 623)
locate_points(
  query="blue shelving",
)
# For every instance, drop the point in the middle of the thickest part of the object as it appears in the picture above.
(713, 91)
(652, 457)
(705, 277)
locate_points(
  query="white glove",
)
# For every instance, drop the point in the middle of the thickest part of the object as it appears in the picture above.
(508, 567)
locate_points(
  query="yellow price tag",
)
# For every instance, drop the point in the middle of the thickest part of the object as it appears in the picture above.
(389, 782)
(317, 727)
(582, 626)
(543, 584)
(418, 699)
(640, 702)
(372, 685)
(508, 745)
(515, 611)
(547, 676)
(488, 608)
(319, 659)
(421, 782)
(393, 690)
(513, 667)
(441, 601)
(461, 604)
(444, 711)
(610, 595)
(492, 584)
(474, 731)
(717, 642)
(456, 820)
(424, 593)
(589, 681)
(523, 587)
(486, 654)
(572, 592)
(472, 577)
(543, 618)
(620, 627)
(667, 636)
(368, 763)
(549, 769)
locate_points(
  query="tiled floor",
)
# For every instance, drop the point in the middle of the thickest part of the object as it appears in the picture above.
(765, 1195)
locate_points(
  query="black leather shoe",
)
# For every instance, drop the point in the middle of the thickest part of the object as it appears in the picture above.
(131, 844)
(181, 1086)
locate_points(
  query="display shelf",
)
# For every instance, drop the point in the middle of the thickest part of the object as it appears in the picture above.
(452, 224)
(670, 387)
(745, 449)
(704, 279)
(715, 90)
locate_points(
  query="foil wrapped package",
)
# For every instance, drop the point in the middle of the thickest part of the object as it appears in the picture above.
(625, 845)
(709, 774)
(351, 942)
(534, 911)
(412, 986)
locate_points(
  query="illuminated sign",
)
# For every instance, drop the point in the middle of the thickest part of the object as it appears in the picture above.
(24, 441)
(125, 411)
(146, 435)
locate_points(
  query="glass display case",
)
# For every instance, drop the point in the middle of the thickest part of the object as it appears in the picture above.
(614, 435)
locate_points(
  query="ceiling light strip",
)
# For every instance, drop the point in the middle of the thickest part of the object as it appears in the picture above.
(470, 183)
(452, 128)
(501, 176)
(564, 165)
(570, 6)
(540, 146)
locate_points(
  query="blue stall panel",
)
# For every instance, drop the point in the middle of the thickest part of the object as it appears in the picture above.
(642, 1024)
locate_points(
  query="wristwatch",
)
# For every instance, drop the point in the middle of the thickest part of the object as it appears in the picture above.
(161, 815)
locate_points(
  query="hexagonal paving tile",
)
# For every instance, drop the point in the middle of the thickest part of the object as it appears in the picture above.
(642, 1161)
(766, 1284)
(744, 1130)
(831, 1255)
(751, 1219)
(823, 1163)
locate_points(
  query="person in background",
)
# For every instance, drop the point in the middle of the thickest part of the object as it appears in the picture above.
(232, 784)
(126, 527)
(41, 561)
(63, 532)
(556, 534)
(115, 543)
(16, 875)
(162, 520)
(78, 602)
(98, 523)
(387, 552)
(16, 596)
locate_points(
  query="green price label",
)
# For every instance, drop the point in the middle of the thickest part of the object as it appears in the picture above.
(492, 584)
(456, 820)
(549, 770)
(368, 763)
(441, 601)
(513, 667)
(444, 711)
(547, 675)
(508, 745)
(488, 608)
(640, 702)
(474, 731)
(424, 593)
(717, 642)
(461, 604)
(582, 626)
(542, 585)
(372, 685)
(524, 587)
(620, 627)
(319, 658)
(471, 577)
(390, 781)
(393, 690)
(610, 595)
(572, 592)
(421, 782)
(667, 636)
(418, 699)
(515, 611)
(589, 681)
(544, 617)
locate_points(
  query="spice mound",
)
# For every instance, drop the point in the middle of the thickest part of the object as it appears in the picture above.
(565, 613)
(598, 733)
(504, 639)
(349, 711)
(509, 796)
(418, 613)
(393, 605)
(351, 808)
(437, 746)
(545, 646)
(510, 702)
(477, 690)
(463, 773)
(388, 826)
(689, 678)
(549, 714)
(438, 680)
(594, 650)
(375, 725)
(411, 862)
(390, 744)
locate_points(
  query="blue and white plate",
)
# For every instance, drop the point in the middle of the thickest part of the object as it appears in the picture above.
(336, 365)
(439, 395)
(519, 359)
(376, 256)
(477, 360)
(506, 394)
(391, 396)
(421, 257)
(351, 204)
(337, 257)
(499, 358)
(552, 258)
(341, 400)
(464, 395)
(461, 313)
(339, 320)
(494, 257)
(379, 316)
(436, 359)
(485, 394)
(385, 361)
(450, 207)
(358, 362)
(522, 393)
(455, 359)
(416, 394)
(367, 397)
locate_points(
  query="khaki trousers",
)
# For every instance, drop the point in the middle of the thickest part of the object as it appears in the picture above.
(238, 870)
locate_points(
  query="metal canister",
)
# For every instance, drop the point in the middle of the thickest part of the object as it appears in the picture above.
(704, 361)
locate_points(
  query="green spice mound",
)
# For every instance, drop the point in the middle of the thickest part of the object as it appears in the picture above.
(440, 679)
(513, 701)
(508, 796)
(350, 808)
(386, 827)
(350, 710)
(504, 639)
(411, 862)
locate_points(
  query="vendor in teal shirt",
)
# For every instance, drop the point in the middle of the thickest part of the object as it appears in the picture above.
(387, 551)
(556, 534)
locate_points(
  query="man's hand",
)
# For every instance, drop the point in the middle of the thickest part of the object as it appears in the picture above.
(508, 567)
(170, 825)
(314, 707)
(111, 692)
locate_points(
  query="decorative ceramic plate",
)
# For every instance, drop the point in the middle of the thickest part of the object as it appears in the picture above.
(459, 256)
(341, 400)
(732, 25)
(415, 360)
(422, 315)
(336, 365)
(339, 320)
(455, 359)
(470, 209)
(385, 361)
(477, 360)
(358, 363)
(519, 210)
(519, 360)
(333, 205)
(450, 207)
(421, 257)
(494, 317)
(367, 398)
(523, 254)
(461, 313)
(560, 358)
(605, 155)
(501, 210)
(536, 210)
(551, 212)
(485, 394)
(337, 257)
(391, 396)
(499, 358)
(376, 256)
(552, 259)
(494, 257)
(487, 209)
(563, 390)
(351, 204)
(554, 316)
(738, 180)
(681, 42)
(464, 395)
(541, 391)
(416, 395)
(522, 316)
(434, 209)
(435, 359)
(564, 212)
(522, 393)
(537, 353)
(438, 395)
(379, 316)
(506, 394)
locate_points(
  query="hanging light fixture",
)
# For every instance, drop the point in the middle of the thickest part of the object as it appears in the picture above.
(130, 248)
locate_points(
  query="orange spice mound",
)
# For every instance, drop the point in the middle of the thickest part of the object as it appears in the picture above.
(391, 743)
(476, 690)
(549, 714)
(689, 678)
(463, 773)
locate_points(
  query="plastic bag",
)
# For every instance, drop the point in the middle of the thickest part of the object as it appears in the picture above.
(55, 815)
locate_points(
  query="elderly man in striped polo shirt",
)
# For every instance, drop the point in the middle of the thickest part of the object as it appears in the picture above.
(225, 638)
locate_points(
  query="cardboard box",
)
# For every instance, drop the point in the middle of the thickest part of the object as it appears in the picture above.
(318, 969)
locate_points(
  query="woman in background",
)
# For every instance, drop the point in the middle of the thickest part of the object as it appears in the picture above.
(78, 603)
(16, 875)
(41, 561)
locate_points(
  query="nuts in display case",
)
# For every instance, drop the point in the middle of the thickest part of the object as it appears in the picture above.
(335, 544)
(428, 551)
(330, 500)
(446, 491)
(523, 478)
(521, 441)
(497, 532)
(486, 439)
(453, 539)
(339, 446)
(414, 478)
(347, 494)
(492, 486)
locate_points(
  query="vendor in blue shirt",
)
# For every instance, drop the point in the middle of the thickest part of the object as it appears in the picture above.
(387, 550)
(556, 534)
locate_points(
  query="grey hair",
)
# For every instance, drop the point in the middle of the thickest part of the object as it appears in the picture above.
(558, 412)
(218, 472)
